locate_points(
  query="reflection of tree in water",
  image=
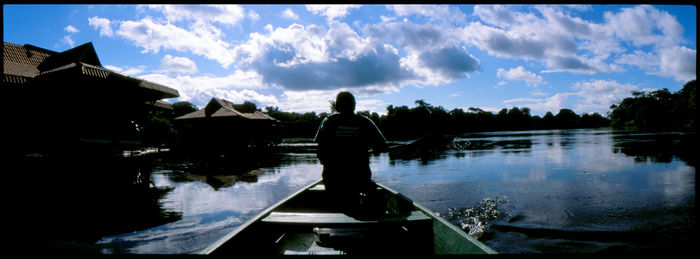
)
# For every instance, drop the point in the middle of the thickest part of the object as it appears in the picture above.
(428, 148)
(516, 145)
(221, 170)
(657, 147)
(434, 147)
(425, 156)
(71, 198)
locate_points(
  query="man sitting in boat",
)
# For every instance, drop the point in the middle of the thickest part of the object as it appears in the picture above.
(344, 140)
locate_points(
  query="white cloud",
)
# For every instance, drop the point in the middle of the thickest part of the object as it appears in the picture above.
(538, 92)
(416, 37)
(153, 37)
(224, 14)
(579, 7)
(311, 57)
(434, 51)
(557, 51)
(68, 40)
(645, 60)
(640, 23)
(383, 57)
(497, 15)
(566, 43)
(302, 58)
(503, 43)
(253, 15)
(593, 96)
(101, 24)
(574, 64)
(552, 104)
(520, 100)
(331, 11)
(520, 73)
(71, 29)
(387, 18)
(237, 80)
(600, 94)
(237, 87)
(307, 101)
(289, 14)
(441, 66)
(177, 65)
(678, 62)
(435, 12)
(132, 71)
(372, 105)
(319, 101)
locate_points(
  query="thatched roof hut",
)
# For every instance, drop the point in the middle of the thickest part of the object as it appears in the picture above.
(73, 97)
(223, 125)
(220, 108)
(29, 66)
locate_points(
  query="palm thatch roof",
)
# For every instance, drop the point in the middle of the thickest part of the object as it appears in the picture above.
(24, 64)
(220, 108)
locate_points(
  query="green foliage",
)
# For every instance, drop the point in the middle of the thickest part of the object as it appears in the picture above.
(183, 107)
(407, 123)
(657, 110)
(158, 131)
(301, 125)
(246, 107)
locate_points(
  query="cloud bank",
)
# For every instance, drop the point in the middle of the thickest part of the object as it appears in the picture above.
(410, 45)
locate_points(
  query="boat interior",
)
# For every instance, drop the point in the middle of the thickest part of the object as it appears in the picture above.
(311, 222)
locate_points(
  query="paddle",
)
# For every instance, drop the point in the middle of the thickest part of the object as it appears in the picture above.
(430, 140)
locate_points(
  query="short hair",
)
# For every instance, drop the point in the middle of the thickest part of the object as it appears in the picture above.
(345, 102)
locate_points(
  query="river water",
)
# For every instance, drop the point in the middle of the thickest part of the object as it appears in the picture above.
(549, 191)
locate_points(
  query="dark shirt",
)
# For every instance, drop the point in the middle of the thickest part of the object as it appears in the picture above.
(343, 149)
(346, 139)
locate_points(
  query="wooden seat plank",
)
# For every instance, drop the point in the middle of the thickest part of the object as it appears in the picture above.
(336, 218)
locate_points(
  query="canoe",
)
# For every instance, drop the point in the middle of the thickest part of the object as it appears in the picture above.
(309, 222)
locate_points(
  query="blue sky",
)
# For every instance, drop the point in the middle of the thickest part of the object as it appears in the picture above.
(298, 57)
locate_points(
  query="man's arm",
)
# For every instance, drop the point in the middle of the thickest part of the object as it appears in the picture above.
(320, 139)
(378, 142)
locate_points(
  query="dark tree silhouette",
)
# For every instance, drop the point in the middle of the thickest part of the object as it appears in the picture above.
(657, 110)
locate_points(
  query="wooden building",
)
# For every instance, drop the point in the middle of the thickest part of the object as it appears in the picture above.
(222, 126)
(57, 100)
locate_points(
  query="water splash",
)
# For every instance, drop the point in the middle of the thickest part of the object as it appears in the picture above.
(476, 220)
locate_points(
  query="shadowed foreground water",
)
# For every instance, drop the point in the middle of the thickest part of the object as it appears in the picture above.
(573, 191)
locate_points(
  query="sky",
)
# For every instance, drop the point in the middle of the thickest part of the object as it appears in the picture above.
(298, 57)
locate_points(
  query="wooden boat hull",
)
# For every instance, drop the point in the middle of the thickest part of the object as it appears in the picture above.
(309, 222)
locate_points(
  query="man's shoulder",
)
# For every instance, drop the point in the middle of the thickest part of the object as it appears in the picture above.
(343, 118)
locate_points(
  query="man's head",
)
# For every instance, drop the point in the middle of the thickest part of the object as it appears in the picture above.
(345, 103)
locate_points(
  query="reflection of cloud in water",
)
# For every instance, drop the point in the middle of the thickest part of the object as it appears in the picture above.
(209, 214)
(678, 182)
(187, 235)
(538, 174)
(194, 198)
(600, 159)
(555, 152)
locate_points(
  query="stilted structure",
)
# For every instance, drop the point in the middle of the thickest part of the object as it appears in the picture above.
(222, 126)
(59, 100)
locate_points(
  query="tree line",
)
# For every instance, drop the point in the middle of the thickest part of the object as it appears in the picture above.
(402, 122)
(657, 110)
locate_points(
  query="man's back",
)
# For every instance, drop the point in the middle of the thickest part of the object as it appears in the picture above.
(346, 138)
(343, 141)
